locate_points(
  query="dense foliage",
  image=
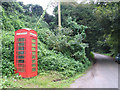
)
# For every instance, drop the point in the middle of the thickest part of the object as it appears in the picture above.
(62, 50)
(59, 50)
(102, 19)
(68, 51)
(7, 53)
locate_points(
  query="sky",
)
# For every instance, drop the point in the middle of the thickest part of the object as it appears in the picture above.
(42, 3)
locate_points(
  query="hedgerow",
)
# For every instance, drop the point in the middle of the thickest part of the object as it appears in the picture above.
(59, 50)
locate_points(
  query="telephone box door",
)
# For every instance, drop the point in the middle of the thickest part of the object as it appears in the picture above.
(21, 54)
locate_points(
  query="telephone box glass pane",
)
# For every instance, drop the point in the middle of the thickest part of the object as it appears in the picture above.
(20, 70)
(33, 53)
(33, 69)
(21, 39)
(33, 44)
(20, 61)
(21, 57)
(20, 44)
(20, 48)
(33, 48)
(33, 65)
(33, 40)
(20, 65)
(33, 61)
(20, 52)
(33, 57)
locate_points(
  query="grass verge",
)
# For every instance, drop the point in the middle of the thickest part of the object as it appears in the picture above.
(50, 79)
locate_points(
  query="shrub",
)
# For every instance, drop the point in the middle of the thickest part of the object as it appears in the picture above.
(7, 53)
(69, 41)
(60, 50)
(43, 34)
(53, 60)
(5, 83)
(91, 55)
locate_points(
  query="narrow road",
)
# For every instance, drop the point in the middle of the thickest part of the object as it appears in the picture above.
(104, 74)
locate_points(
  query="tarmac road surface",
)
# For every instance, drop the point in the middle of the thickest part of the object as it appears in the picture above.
(103, 74)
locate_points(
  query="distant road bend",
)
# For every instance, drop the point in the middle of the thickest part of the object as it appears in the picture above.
(104, 74)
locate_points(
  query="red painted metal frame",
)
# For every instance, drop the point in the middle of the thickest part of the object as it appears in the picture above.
(28, 35)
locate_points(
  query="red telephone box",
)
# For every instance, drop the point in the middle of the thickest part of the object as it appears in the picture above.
(25, 52)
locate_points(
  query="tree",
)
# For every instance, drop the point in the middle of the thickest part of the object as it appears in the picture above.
(108, 16)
